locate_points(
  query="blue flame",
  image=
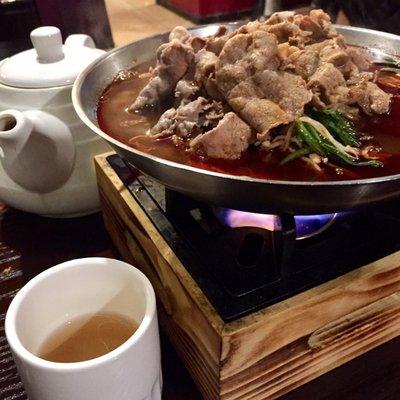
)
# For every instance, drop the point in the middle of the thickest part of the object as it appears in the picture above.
(306, 225)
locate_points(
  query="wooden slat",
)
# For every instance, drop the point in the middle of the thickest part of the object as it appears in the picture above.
(188, 314)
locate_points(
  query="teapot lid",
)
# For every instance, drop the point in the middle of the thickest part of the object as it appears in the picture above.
(49, 63)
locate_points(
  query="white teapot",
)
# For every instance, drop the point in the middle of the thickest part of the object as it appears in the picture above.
(46, 152)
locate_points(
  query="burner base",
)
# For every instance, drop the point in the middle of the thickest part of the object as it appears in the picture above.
(270, 351)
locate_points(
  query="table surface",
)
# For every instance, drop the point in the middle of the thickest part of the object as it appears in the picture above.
(44, 242)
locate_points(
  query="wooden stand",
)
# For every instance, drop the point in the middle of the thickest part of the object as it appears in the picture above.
(274, 350)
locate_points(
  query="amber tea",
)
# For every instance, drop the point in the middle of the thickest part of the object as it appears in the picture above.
(87, 337)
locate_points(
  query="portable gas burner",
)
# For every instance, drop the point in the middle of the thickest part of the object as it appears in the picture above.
(257, 305)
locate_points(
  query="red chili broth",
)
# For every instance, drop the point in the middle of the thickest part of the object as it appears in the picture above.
(129, 128)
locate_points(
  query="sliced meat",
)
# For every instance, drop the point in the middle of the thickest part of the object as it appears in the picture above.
(359, 58)
(370, 98)
(289, 32)
(189, 118)
(205, 62)
(227, 140)
(285, 89)
(266, 72)
(179, 33)
(324, 84)
(300, 30)
(280, 16)
(303, 62)
(244, 55)
(185, 89)
(261, 114)
(269, 99)
(323, 20)
(180, 121)
(173, 62)
(333, 54)
(216, 42)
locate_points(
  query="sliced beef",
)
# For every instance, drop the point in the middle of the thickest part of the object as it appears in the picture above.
(227, 140)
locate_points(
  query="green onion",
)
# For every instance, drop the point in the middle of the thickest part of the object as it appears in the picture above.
(338, 125)
(295, 154)
(333, 152)
(308, 137)
(390, 62)
(322, 146)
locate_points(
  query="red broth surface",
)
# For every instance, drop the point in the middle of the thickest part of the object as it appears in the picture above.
(130, 128)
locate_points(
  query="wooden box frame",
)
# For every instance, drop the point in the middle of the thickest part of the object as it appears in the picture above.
(272, 351)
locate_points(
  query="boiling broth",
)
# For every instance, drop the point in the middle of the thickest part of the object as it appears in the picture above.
(130, 128)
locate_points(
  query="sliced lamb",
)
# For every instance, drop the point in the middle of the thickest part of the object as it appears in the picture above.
(303, 62)
(205, 62)
(326, 79)
(324, 21)
(185, 89)
(359, 58)
(180, 121)
(285, 89)
(216, 42)
(205, 73)
(227, 140)
(288, 32)
(269, 99)
(280, 16)
(324, 83)
(173, 62)
(188, 118)
(258, 50)
(370, 98)
(301, 30)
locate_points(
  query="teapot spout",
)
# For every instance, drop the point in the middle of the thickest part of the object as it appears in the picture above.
(38, 152)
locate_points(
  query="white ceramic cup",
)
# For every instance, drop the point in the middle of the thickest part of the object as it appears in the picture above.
(78, 287)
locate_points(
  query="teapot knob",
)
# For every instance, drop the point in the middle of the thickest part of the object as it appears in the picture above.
(47, 42)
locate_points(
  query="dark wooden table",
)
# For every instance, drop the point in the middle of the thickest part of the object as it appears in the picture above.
(44, 242)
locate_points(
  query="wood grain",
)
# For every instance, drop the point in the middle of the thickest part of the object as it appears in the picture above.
(268, 353)
(185, 313)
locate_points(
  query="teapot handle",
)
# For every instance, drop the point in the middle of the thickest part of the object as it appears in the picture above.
(80, 40)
